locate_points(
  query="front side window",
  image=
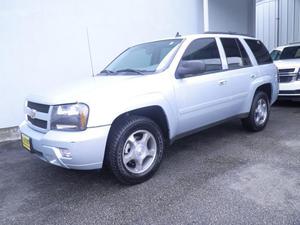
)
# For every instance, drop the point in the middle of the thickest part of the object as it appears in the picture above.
(142, 59)
(204, 51)
(260, 51)
(236, 55)
(275, 54)
(290, 53)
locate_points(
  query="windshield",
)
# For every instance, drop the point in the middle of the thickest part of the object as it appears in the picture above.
(144, 58)
(290, 53)
(275, 54)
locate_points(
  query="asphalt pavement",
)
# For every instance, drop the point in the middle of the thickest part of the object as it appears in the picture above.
(223, 175)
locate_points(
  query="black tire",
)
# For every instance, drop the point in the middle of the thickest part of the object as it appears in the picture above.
(249, 122)
(120, 132)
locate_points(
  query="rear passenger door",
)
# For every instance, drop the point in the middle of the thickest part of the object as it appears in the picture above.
(239, 73)
(267, 70)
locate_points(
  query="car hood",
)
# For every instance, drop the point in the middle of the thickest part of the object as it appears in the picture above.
(287, 63)
(99, 87)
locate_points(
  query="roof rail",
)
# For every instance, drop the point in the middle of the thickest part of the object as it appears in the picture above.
(228, 32)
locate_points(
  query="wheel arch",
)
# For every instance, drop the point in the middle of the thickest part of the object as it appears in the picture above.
(263, 86)
(153, 112)
(267, 88)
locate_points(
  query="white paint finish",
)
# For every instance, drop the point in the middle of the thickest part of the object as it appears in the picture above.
(44, 43)
(289, 86)
(232, 15)
(189, 103)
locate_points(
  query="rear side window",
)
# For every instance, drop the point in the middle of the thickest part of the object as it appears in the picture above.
(236, 55)
(260, 51)
(204, 50)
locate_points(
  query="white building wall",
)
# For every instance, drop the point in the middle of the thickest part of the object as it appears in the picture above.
(44, 43)
(231, 16)
(278, 26)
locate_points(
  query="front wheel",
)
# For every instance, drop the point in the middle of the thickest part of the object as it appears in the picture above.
(135, 149)
(259, 113)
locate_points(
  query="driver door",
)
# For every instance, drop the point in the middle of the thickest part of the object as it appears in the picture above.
(202, 97)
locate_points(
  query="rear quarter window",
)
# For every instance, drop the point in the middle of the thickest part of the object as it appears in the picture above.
(259, 51)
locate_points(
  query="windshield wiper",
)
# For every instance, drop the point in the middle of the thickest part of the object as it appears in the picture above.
(130, 71)
(106, 72)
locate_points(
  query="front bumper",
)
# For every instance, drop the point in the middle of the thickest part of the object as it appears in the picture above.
(86, 148)
(289, 91)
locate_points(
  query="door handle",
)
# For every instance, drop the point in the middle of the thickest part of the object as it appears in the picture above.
(222, 82)
(253, 76)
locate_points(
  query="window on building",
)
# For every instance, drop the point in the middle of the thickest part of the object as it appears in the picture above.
(204, 50)
(260, 51)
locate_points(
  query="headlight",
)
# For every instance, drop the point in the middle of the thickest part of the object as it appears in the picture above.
(69, 117)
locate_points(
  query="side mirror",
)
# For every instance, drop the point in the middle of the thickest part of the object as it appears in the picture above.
(189, 67)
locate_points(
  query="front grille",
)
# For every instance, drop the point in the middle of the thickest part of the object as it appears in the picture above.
(38, 115)
(38, 107)
(286, 79)
(291, 70)
(37, 122)
(287, 75)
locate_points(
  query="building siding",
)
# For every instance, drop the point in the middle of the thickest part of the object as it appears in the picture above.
(278, 21)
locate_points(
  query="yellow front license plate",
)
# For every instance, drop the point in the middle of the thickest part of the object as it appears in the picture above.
(26, 142)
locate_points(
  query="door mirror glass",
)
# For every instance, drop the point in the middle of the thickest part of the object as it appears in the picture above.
(190, 67)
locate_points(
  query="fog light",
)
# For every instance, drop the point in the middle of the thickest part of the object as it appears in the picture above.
(66, 153)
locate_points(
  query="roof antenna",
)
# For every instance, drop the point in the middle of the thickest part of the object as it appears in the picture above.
(89, 46)
(178, 35)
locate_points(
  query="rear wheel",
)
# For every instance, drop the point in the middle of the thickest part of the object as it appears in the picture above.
(259, 113)
(135, 149)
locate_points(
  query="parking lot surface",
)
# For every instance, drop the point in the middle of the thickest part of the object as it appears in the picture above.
(223, 175)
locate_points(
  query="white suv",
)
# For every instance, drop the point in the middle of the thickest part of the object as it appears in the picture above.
(287, 59)
(149, 96)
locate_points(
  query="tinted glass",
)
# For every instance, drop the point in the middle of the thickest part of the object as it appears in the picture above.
(260, 51)
(205, 51)
(275, 54)
(290, 53)
(245, 56)
(235, 53)
(144, 57)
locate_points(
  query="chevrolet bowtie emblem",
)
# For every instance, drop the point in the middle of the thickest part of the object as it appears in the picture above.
(32, 113)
